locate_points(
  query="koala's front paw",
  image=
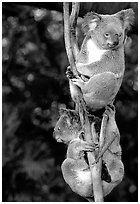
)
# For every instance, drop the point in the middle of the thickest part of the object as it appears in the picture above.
(69, 73)
(110, 110)
(111, 105)
(89, 147)
(78, 81)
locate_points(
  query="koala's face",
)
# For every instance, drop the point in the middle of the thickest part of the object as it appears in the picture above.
(109, 34)
(108, 31)
(67, 128)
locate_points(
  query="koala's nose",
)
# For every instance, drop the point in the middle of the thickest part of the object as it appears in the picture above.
(116, 42)
(113, 44)
(113, 41)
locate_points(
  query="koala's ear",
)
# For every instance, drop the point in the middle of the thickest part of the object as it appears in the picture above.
(66, 112)
(127, 18)
(90, 21)
(62, 111)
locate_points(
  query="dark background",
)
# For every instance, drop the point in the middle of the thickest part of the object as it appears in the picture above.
(35, 87)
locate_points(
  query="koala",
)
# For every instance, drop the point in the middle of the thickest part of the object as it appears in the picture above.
(75, 168)
(100, 62)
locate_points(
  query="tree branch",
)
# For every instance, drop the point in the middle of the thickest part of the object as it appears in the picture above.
(97, 167)
(73, 23)
(72, 51)
(67, 36)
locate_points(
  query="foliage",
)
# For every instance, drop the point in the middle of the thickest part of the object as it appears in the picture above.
(34, 88)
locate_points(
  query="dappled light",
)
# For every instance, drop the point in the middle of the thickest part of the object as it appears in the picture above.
(35, 87)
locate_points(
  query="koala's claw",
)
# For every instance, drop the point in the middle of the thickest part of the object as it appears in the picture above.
(110, 111)
(111, 106)
(78, 81)
(90, 147)
(69, 73)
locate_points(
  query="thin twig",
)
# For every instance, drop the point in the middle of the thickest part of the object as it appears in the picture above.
(72, 49)
(75, 51)
(97, 167)
(103, 131)
(73, 23)
(67, 36)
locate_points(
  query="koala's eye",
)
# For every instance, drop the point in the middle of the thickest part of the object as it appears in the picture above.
(58, 128)
(106, 35)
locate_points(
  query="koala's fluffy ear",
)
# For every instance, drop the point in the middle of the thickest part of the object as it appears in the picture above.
(127, 18)
(90, 21)
(63, 111)
(66, 112)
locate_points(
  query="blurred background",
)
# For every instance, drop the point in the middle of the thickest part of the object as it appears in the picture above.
(35, 87)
